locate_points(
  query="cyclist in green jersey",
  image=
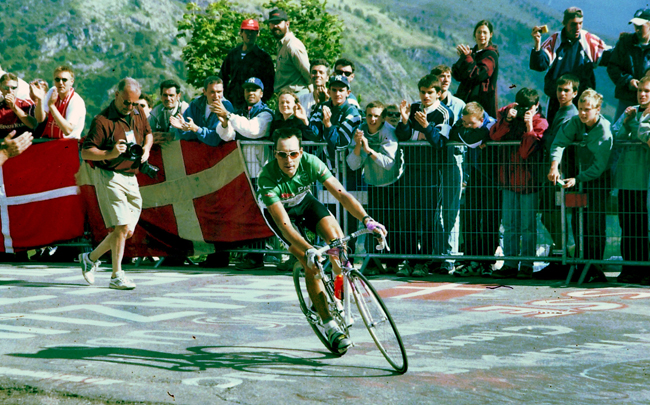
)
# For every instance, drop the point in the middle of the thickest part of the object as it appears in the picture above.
(284, 190)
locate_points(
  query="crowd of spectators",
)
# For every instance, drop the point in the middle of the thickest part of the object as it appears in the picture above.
(443, 173)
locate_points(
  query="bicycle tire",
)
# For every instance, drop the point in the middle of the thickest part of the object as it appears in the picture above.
(378, 321)
(306, 307)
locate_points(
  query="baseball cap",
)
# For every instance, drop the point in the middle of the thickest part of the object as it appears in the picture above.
(641, 16)
(277, 15)
(250, 25)
(253, 81)
(338, 79)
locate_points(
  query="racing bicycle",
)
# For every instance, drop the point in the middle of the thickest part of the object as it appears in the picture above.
(357, 288)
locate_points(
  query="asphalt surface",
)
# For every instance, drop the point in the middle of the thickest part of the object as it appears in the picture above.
(192, 336)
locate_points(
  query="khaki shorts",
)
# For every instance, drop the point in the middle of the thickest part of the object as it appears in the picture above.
(119, 198)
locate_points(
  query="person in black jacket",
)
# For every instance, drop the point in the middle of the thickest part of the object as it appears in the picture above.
(629, 61)
(244, 61)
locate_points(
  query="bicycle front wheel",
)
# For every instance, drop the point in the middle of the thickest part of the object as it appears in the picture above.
(377, 319)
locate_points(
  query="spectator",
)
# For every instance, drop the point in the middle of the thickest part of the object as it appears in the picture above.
(345, 67)
(171, 106)
(567, 90)
(335, 121)
(429, 120)
(251, 123)
(456, 105)
(62, 107)
(200, 120)
(643, 135)
(480, 217)
(631, 179)
(145, 103)
(592, 131)
(629, 61)
(290, 114)
(292, 61)
(244, 61)
(572, 50)
(23, 88)
(374, 149)
(319, 74)
(520, 175)
(13, 146)
(118, 194)
(42, 84)
(16, 115)
(477, 69)
(392, 114)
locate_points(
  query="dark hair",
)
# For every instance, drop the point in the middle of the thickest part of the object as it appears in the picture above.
(526, 98)
(430, 81)
(489, 26)
(211, 80)
(286, 133)
(320, 62)
(571, 13)
(168, 84)
(147, 98)
(440, 69)
(569, 78)
(377, 104)
(8, 76)
(344, 62)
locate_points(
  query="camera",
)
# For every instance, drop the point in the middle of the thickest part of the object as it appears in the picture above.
(133, 151)
(149, 169)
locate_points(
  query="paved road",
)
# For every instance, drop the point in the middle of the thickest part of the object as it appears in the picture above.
(188, 336)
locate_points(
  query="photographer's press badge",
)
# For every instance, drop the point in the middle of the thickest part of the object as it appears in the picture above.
(130, 136)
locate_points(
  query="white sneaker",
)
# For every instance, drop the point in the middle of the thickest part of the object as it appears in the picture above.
(121, 282)
(339, 340)
(88, 267)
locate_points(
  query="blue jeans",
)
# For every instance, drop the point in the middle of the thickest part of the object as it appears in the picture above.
(519, 222)
(446, 221)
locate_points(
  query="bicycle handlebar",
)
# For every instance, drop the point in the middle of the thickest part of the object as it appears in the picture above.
(339, 242)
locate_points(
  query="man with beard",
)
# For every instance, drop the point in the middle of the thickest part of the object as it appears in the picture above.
(171, 105)
(292, 70)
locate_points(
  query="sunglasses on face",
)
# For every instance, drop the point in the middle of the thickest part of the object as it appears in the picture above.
(143, 105)
(9, 87)
(392, 114)
(285, 155)
(344, 73)
(61, 79)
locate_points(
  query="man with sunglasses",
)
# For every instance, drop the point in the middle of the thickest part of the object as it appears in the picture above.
(345, 67)
(118, 194)
(15, 114)
(62, 107)
(244, 61)
(284, 191)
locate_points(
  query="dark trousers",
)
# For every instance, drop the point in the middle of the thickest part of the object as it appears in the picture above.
(633, 219)
(594, 218)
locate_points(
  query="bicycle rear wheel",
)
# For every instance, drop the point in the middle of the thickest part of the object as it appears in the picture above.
(308, 309)
(377, 319)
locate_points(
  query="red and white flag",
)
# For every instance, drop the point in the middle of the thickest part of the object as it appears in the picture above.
(40, 202)
(202, 196)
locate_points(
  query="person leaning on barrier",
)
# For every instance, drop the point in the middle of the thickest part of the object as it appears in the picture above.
(170, 105)
(199, 122)
(477, 69)
(319, 73)
(427, 120)
(250, 123)
(592, 133)
(629, 61)
(16, 115)
(571, 50)
(118, 143)
(292, 68)
(63, 110)
(345, 67)
(631, 175)
(374, 149)
(392, 115)
(521, 172)
(244, 61)
(290, 114)
(480, 217)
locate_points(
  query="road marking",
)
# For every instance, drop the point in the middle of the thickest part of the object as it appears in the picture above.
(130, 316)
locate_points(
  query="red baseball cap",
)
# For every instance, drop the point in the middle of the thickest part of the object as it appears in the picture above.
(250, 25)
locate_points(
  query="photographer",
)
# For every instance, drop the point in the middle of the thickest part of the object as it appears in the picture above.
(118, 143)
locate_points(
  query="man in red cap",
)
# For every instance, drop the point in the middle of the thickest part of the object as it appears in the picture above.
(244, 61)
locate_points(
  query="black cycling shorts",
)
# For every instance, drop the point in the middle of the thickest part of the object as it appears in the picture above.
(306, 214)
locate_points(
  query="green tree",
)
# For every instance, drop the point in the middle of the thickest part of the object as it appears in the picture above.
(212, 32)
